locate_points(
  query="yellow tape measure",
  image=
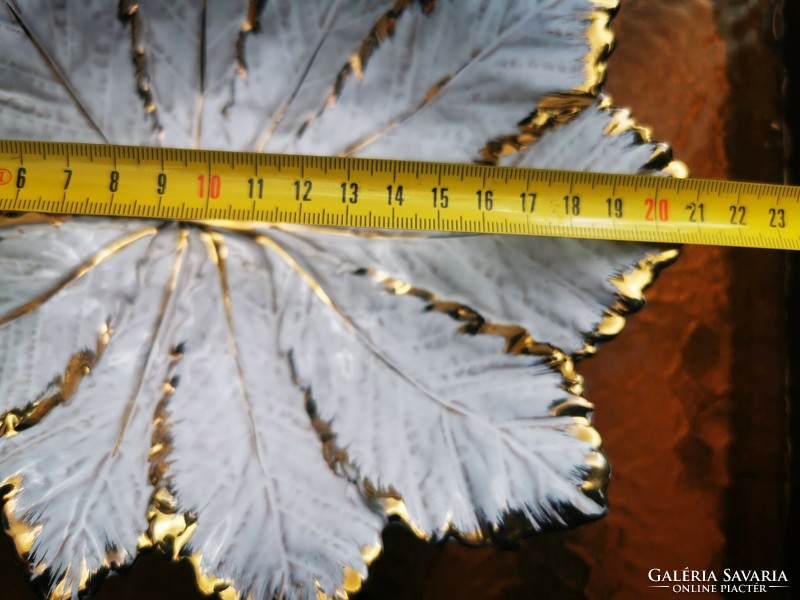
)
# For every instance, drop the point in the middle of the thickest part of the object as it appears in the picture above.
(200, 185)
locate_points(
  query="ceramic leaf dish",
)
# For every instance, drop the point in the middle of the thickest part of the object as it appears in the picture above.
(264, 398)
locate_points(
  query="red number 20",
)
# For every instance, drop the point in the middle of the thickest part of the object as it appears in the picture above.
(662, 206)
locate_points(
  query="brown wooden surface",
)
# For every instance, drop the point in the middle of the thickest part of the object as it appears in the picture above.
(690, 397)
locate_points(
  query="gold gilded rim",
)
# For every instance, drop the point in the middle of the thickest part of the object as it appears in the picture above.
(631, 285)
(559, 108)
(517, 341)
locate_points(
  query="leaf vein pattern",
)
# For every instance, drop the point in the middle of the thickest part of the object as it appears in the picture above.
(218, 254)
(358, 333)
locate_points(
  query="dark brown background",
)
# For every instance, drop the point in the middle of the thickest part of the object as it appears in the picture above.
(691, 398)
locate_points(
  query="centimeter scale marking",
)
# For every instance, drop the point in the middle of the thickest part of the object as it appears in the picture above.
(202, 185)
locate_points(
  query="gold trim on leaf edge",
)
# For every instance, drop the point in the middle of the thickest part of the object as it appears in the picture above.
(559, 108)
(631, 285)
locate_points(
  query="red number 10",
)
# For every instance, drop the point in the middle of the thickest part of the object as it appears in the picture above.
(214, 186)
